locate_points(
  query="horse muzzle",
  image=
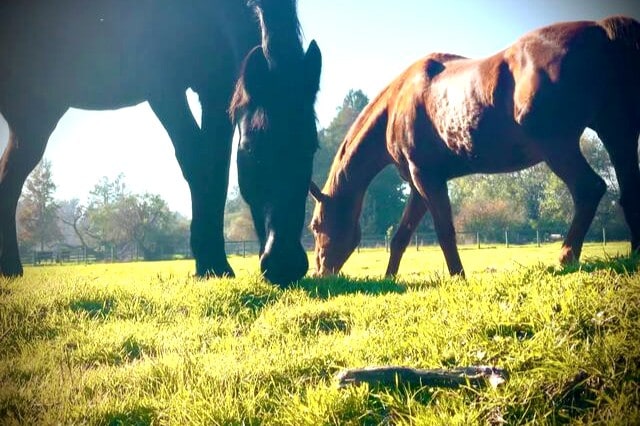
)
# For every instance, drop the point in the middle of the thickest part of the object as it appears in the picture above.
(283, 265)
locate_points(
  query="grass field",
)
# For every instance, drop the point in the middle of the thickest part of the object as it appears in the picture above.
(145, 343)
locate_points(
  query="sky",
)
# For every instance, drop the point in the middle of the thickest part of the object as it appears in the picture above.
(364, 44)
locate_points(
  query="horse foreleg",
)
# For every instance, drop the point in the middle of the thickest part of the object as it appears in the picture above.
(203, 156)
(413, 212)
(214, 164)
(27, 141)
(436, 195)
(586, 188)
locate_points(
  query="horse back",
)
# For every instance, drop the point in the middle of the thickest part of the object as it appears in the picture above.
(105, 54)
(446, 97)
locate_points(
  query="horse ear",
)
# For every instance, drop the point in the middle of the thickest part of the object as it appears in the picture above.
(313, 68)
(316, 192)
(256, 74)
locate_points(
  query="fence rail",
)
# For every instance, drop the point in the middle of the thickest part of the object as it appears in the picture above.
(250, 247)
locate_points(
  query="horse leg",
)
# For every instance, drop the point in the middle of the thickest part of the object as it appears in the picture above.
(218, 134)
(413, 212)
(435, 193)
(27, 141)
(205, 165)
(586, 188)
(623, 151)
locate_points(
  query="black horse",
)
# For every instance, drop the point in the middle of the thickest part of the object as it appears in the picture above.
(107, 54)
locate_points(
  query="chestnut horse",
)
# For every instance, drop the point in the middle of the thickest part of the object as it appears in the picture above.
(447, 116)
(107, 54)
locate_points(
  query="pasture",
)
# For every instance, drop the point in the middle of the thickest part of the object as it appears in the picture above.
(146, 343)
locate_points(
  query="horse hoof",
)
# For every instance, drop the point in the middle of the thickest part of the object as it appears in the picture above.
(224, 271)
(11, 272)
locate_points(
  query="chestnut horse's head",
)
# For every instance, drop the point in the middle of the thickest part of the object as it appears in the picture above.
(273, 107)
(336, 230)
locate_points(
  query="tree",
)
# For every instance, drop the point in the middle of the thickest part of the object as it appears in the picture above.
(147, 220)
(124, 224)
(331, 137)
(73, 214)
(103, 226)
(489, 216)
(37, 215)
(238, 225)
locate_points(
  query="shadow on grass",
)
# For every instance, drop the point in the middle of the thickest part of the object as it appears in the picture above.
(618, 264)
(139, 416)
(326, 288)
(520, 331)
(94, 308)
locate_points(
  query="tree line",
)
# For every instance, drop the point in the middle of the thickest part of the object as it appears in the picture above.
(112, 223)
(115, 222)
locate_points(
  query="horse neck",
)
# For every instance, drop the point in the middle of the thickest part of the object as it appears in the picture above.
(281, 36)
(361, 156)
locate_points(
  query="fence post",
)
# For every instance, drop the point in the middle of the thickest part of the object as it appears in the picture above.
(506, 237)
(538, 237)
(604, 236)
(244, 248)
(478, 239)
(417, 245)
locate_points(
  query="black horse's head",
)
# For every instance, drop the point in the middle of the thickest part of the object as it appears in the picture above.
(274, 110)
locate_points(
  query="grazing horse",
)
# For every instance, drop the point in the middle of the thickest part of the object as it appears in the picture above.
(447, 116)
(241, 57)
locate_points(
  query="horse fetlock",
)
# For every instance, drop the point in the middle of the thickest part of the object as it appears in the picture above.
(568, 255)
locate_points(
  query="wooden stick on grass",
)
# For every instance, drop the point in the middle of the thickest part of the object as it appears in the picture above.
(389, 376)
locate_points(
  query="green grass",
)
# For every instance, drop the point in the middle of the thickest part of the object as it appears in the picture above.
(145, 343)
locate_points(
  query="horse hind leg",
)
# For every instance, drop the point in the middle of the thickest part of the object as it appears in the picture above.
(414, 211)
(586, 188)
(27, 141)
(623, 152)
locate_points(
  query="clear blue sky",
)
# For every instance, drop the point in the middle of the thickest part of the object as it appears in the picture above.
(365, 44)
